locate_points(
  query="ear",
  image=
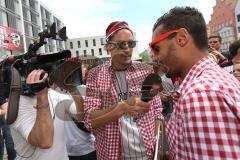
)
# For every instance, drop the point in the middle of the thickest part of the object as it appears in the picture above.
(109, 47)
(182, 37)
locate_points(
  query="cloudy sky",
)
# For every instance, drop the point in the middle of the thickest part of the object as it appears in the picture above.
(91, 17)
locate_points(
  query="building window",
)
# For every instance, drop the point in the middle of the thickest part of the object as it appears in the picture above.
(86, 43)
(32, 4)
(85, 53)
(92, 51)
(238, 17)
(77, 53)
(3, 19)
(103, 41)
(71, 45)
(94, 42)
(10, 5)
(100, 51)
(79, 44)
(214, 29)
(226, 24)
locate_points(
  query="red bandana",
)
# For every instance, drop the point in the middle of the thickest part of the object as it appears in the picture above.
(117, 26)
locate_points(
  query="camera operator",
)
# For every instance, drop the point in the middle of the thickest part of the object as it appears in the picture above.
(214, 46)
(38, 133)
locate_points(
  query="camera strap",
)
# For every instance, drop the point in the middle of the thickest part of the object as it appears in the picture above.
(80, 125)
(14, 97)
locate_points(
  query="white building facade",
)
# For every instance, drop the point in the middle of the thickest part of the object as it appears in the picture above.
(92, 47)
(227, 34)
(20, 23)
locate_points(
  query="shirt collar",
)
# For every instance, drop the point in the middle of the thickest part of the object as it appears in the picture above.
(132, 67)
(195, 71)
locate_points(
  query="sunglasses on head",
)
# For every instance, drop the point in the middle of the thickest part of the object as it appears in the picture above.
(213, 42)
(123, 44)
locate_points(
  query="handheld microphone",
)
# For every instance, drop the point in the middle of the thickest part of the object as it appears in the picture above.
(147, 90)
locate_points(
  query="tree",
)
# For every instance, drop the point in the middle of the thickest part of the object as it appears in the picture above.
(145, 57)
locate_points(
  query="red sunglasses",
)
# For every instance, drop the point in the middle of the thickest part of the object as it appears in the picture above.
(162, 37)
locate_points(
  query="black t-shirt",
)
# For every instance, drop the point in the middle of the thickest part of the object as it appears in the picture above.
(2, 101)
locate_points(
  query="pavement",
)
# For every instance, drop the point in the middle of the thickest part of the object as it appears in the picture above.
(5, 154)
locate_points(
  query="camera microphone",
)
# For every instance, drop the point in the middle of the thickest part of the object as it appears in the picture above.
(53, 57)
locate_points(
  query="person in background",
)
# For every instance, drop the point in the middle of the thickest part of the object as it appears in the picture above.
(206, 105)
(214, 48)
(79, 141)
(6, 136)
(5, 133)
(168, 90)
(214, 41)
(123, 124)
(234, 50)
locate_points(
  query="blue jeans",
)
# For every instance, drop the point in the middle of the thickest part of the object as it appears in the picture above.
(7, 138)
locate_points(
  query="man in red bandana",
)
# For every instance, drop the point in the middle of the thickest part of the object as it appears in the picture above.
(124, 125)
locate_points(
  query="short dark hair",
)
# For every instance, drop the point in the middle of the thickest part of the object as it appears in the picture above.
(216, 36)
(233, 48)
(188, 18)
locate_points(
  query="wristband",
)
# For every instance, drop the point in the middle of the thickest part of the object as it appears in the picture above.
(41, 106)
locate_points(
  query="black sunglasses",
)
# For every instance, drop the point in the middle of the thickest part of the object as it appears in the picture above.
(124, 44)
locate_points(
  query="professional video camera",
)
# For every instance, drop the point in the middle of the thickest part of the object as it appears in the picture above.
(31, 60)
(62, 72)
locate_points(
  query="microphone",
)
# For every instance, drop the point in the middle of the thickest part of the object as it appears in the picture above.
(148, 91)
(226, 64)
(53, 57)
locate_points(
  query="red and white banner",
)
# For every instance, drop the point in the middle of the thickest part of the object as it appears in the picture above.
(10, 39)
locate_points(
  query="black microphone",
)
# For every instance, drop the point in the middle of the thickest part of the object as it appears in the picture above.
(147, 86)
(53, 57)
(226, 64)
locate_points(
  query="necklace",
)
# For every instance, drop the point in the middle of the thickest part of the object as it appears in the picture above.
(122, 85)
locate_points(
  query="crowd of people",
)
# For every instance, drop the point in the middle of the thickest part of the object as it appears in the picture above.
(198, 101)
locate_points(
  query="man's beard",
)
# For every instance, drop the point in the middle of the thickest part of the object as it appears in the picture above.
(171, 53)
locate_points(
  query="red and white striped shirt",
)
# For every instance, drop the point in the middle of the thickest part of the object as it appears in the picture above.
(101, 93)
(205, 123)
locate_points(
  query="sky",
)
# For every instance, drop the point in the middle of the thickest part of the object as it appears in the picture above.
(84, 18)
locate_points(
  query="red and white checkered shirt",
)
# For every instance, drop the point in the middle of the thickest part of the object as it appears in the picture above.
(101, 93)
(205, 123)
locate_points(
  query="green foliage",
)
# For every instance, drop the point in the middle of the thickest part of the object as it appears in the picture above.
(145, 57)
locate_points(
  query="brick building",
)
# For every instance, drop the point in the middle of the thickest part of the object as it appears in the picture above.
(223, 22)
